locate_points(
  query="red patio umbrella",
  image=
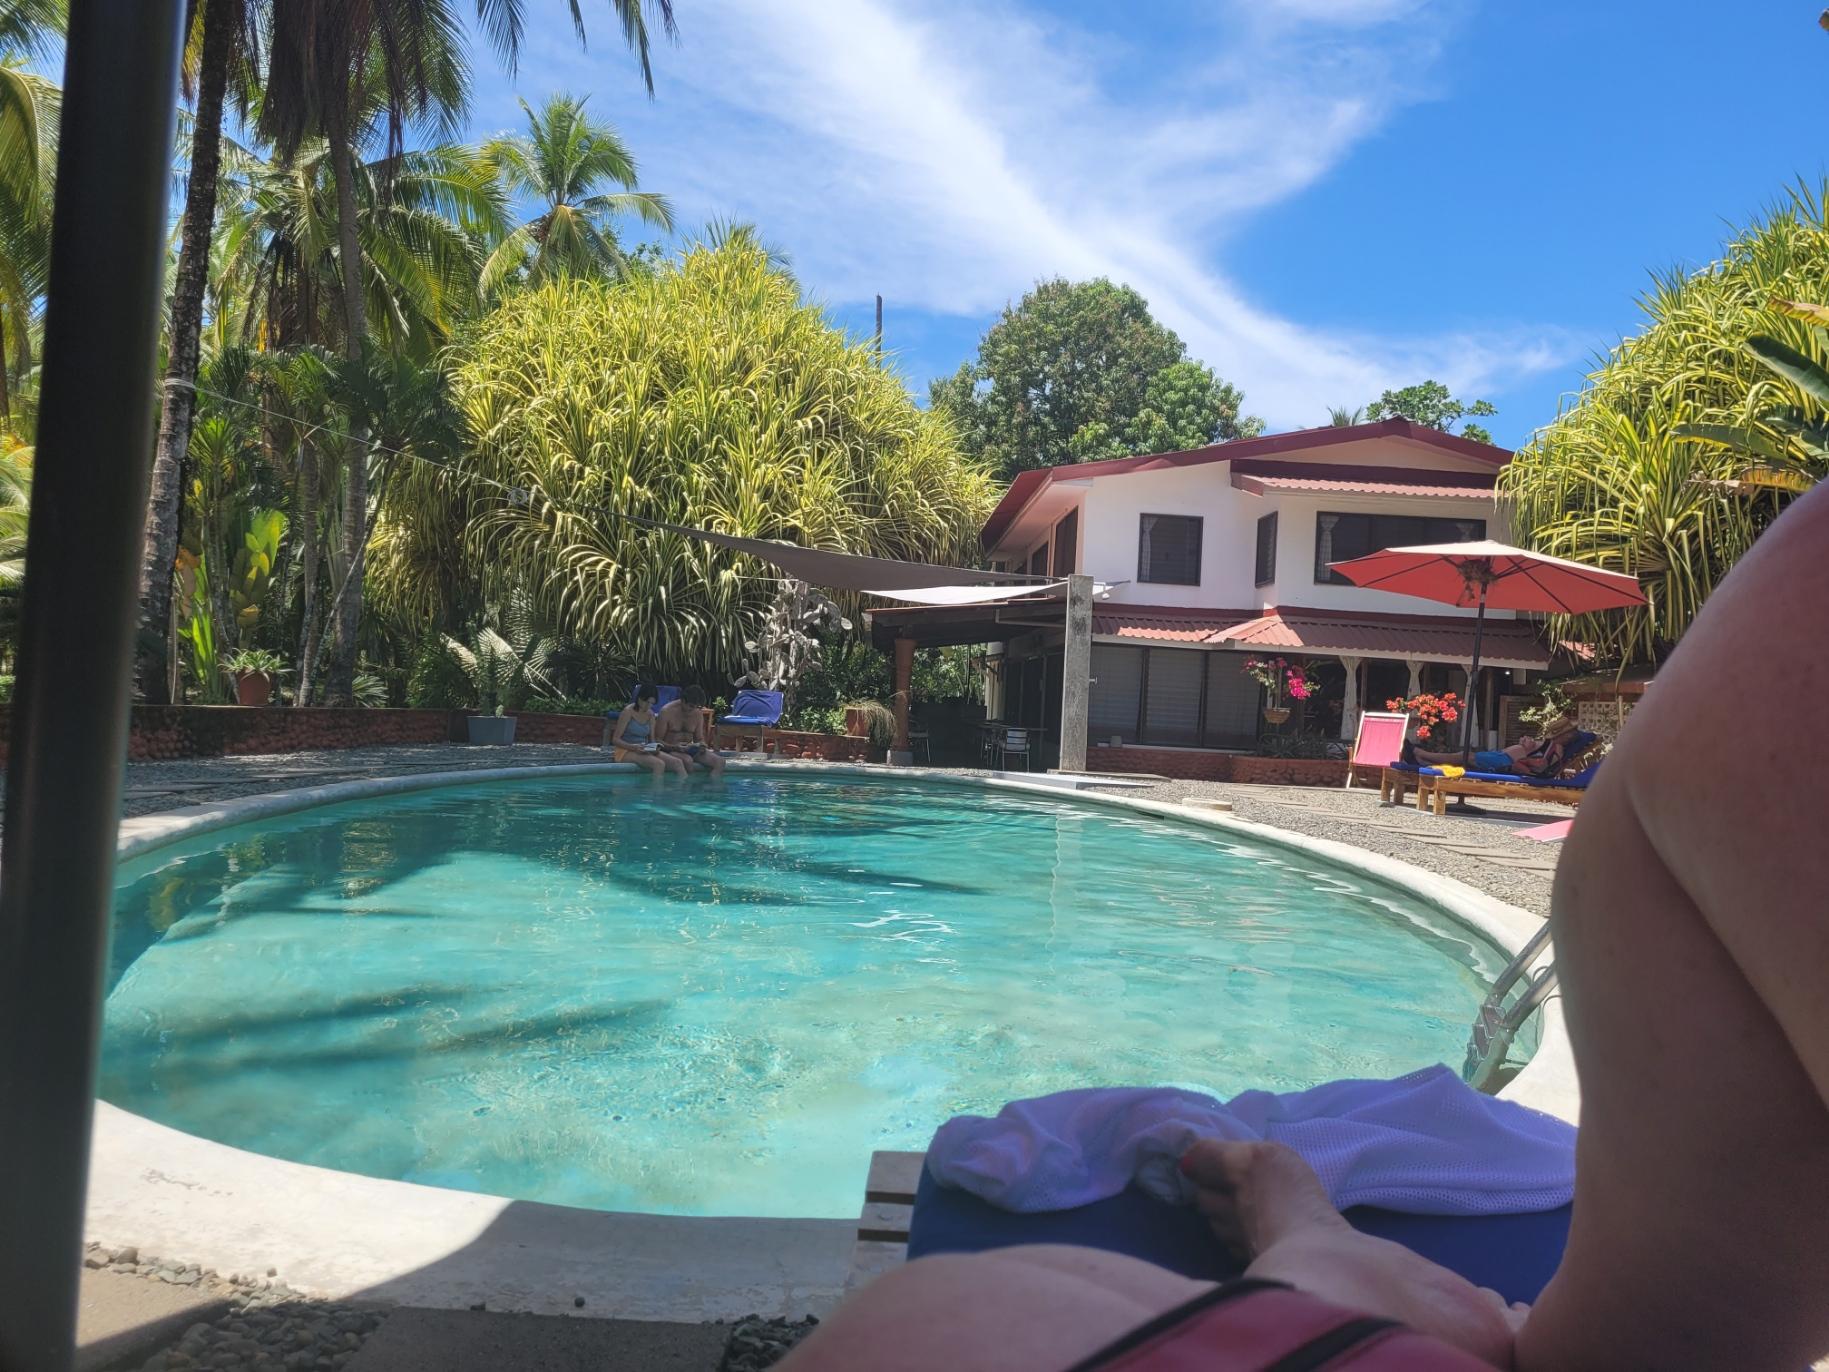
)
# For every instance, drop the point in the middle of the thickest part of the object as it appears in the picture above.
(1486, 574)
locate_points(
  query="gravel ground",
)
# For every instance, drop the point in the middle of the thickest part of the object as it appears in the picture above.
(268, 1327)
(1486, 852)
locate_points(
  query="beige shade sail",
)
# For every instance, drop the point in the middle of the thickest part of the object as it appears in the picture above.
(853, 571)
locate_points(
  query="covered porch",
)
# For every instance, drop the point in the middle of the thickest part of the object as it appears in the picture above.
(1165, 685)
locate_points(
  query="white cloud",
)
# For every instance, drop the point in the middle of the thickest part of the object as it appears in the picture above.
(950, 153)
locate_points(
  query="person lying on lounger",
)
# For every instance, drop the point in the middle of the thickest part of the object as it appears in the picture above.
(1691, 933)
(1531, 757)
(634, 737)
(683, 732)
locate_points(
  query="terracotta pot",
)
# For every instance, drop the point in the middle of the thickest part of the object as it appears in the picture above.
(1276, 714)
(253, 688)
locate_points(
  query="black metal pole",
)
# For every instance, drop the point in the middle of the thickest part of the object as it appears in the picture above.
(69, 724)
(1473, 682)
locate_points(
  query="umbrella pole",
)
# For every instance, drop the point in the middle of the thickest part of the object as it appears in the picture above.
(1473, 695)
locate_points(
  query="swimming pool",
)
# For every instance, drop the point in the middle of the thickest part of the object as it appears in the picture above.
(717, 1000)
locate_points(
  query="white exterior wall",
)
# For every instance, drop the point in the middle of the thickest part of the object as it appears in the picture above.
(1295, 582)
(1111, 520)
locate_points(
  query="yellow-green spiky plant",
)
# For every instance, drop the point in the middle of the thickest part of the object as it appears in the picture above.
(1640, 473)
(708, 394)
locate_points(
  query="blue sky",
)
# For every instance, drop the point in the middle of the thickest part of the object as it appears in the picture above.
(1323, 197)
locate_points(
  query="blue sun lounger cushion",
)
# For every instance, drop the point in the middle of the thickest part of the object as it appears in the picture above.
(754, 708)
(1513, 1254)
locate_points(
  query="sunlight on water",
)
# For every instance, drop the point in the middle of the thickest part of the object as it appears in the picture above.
(705, 1000)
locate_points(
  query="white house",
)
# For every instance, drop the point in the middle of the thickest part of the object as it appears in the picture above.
(1211, 555)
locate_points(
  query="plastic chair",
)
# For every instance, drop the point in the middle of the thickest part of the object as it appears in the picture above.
(1008, 743)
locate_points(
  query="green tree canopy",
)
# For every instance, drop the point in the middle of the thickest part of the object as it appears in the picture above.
(1075, 372)
(1633, 475)
(1428, 403)
(708, 393)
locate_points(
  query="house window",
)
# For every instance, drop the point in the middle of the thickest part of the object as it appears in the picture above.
(1341, 537)
(1066, 544)
(1115, 706)
(1266, 550)
(1172, 688)
(1168, 549)
(1232, 703)
(1038, 561)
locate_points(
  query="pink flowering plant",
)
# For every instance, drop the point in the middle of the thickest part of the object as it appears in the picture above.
(1428, 712)
(1282, 679)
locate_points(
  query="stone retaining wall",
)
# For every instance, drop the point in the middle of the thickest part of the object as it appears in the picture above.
(167, 732)
(1194, 764)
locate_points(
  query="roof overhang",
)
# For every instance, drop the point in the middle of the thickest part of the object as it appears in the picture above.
(1028, 484)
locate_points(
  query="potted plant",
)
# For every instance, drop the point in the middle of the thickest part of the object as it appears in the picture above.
(500, 669)
(254, 670)
(1283, 682)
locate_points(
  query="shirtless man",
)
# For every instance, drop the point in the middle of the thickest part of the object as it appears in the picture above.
(683, 732)
(1692, 938)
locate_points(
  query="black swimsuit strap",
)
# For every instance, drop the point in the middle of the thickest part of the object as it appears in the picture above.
(1169, 1319)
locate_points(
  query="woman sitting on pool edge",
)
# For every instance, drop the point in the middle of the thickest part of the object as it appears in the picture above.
(633, 738)
(1531, 757)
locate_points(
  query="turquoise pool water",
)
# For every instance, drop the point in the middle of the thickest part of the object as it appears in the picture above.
(717, 1000)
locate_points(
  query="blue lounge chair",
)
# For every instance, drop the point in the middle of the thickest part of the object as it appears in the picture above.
(1513, 1254)
(1434, 789)
(752, 713)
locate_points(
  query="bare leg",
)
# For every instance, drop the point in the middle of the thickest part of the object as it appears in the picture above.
(712, 761)
(1042, 1307)
(1270, 1209)
(1692, 933)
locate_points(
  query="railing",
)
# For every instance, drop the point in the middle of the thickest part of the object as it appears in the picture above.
(1498, 1023)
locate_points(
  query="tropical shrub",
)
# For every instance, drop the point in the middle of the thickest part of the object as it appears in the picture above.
(437, 680)
(1633, 476)
(708, 394)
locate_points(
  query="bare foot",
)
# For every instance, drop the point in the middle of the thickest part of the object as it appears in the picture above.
(1269, 1208)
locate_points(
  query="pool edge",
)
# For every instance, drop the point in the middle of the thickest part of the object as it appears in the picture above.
(343, 1236)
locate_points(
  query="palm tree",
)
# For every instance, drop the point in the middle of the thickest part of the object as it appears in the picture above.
(224, 34)
(421, 219)
(1340, 417)
(561, 163)
(349, 71)
(29, 109)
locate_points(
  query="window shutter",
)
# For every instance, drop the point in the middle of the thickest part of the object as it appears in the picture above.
(1171, 713)
(1232, 699)
(1117, 685)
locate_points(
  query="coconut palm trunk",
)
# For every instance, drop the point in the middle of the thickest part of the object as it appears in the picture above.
(307, 539)
(221, 22)
(339, 679)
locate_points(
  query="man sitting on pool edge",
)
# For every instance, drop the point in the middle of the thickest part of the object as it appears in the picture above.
(683, 732)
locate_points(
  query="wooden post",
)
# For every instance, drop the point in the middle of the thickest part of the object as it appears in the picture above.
(902, 755)
(1076, 674)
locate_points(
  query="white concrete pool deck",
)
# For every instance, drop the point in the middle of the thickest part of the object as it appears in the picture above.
(340, 1236)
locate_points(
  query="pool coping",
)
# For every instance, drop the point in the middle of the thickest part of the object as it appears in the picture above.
(339, 1235)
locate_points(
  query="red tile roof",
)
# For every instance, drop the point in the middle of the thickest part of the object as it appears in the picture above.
(1506, 642)
(1169, 624)
(1028, 485)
